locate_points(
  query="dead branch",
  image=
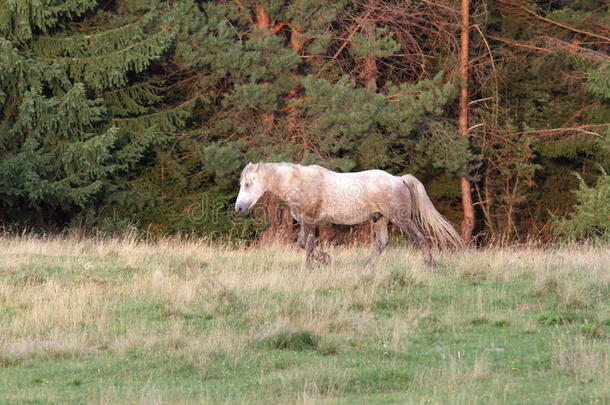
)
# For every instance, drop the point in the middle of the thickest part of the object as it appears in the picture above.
(519, 44)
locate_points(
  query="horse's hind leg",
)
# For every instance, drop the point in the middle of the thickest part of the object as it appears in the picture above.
(410, 228)
(380, 229)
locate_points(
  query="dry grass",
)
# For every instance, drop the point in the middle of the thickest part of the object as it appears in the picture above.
(82, 298)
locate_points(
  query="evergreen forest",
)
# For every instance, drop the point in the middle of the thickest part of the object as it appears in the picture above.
(122, 114)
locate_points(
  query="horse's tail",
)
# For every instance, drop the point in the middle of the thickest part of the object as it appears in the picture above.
(428, 218)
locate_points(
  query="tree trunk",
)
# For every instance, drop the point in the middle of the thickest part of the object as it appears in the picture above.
(369, 70)
(262, 18)
(468, 221)
(294, 132)
(369, 73)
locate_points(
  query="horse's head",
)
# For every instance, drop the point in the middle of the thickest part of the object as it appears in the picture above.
(251, 187)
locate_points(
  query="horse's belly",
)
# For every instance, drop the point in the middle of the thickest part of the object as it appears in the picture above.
(351, 199)
(346, 213)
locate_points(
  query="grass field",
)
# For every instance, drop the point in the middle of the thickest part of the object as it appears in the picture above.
(119, 321)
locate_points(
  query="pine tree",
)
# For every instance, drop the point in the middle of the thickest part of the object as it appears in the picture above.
(278, 82)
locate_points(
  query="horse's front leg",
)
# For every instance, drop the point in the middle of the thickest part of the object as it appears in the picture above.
(380, 230)
(307, 241)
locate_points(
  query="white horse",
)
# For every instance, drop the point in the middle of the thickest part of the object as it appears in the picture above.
(314, 194)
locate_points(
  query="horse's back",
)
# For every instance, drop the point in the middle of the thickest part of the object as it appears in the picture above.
(368, 179)
(351, 198)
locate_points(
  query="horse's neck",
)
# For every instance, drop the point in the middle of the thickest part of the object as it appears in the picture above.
(277, 184)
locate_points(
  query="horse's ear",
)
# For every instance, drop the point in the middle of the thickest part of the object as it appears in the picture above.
(257, 166)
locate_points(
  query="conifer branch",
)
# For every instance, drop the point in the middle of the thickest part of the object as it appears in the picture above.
(556, 23)
(356, 28)
(106, 33)
(155, 38)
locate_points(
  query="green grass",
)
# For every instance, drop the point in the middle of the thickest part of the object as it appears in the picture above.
(115, 321)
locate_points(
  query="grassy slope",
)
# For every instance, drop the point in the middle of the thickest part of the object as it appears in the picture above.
(122, 322)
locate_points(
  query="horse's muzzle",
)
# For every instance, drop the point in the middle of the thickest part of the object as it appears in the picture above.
(242, 209)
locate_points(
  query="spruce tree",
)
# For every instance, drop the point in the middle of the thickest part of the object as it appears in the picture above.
(263, 70)
(78, 108)
(277, 81)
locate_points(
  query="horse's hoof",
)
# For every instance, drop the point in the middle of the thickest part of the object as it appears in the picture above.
(325, 259)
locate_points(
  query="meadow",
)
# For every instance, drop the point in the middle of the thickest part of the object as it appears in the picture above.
(111, 321)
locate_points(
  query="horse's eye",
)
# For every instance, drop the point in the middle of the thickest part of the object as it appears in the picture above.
(247, 185)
